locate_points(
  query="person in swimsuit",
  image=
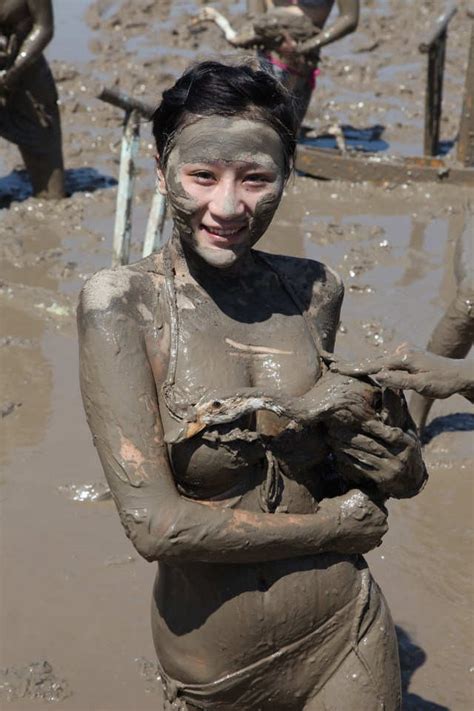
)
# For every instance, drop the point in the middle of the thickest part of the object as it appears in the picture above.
(262, 600)
(298, 70)
(29, 114)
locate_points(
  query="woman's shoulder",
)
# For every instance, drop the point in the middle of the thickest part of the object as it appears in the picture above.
(304, 274)
(127, 291)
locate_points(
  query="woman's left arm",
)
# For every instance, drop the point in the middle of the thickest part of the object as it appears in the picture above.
(34, 43)
(385, 453)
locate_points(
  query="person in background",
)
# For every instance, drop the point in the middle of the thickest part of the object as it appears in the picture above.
(29, 114)
(296, 66)
(453, 335)
(431, 376)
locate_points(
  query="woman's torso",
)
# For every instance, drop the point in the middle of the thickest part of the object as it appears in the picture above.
(211, 619)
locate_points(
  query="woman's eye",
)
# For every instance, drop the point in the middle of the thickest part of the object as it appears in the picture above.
(258, 178)
(203, 176)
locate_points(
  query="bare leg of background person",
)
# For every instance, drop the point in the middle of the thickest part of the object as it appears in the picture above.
(46, 171)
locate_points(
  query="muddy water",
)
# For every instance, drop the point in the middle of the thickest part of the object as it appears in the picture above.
(73, 592)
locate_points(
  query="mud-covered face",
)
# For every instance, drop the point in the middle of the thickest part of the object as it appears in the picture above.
(224, 179)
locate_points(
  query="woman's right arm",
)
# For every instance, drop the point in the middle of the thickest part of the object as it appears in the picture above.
(119, 395)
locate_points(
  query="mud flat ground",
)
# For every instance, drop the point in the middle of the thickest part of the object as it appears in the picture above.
(74, 595)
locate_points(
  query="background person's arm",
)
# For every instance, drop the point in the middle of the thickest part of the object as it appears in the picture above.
(119, 395)
(346, 23)
(428, 374)
(34, 43)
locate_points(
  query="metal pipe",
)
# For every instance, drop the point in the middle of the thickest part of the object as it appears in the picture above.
(123, 215)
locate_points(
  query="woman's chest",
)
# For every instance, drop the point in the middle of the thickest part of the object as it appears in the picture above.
(220, 354)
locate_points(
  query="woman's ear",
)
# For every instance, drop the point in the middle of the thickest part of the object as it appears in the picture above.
(160, 177)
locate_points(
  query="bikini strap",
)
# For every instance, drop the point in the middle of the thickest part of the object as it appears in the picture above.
(323, 354)
(175, 410)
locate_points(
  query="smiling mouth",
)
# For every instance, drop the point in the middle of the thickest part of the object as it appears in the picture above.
(221, 235)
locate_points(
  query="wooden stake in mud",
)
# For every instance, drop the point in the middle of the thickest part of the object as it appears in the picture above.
(435, 47)
(465, 152)
(134, 108)
(123, 215)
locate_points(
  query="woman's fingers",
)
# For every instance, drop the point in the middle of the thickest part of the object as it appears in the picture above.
(361, 443)
(373, 436)
(364, 464)
(385, 434)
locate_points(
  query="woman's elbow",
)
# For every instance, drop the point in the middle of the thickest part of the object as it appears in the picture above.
(351, 25)
(156, 538)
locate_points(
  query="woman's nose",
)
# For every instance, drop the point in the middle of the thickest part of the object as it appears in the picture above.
(226, 201)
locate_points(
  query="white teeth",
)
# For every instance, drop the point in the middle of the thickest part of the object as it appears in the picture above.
(222, 233)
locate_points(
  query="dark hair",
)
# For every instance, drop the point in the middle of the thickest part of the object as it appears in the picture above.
(212, 88)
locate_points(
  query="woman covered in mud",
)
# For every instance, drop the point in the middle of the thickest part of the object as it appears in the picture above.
(189, 360)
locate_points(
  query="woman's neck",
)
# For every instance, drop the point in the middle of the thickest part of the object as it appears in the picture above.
(186, 261)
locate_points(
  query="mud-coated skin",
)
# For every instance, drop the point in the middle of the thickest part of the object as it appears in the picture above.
(453, 336)
(427, 374)
(196, 510)
(343, 404)
(262, 593)
(29, 114)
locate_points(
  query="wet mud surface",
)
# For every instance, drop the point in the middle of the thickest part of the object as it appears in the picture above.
(73, 591)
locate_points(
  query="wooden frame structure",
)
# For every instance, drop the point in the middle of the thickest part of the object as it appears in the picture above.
(435, 47)
(134, 110)
(379, 168)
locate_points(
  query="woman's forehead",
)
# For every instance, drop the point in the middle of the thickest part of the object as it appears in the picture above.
(225, 139)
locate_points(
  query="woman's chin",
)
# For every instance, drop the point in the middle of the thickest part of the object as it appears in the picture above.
(221, 257)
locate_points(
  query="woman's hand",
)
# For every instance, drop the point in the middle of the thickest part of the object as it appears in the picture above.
(381, 455)
(361, 523)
